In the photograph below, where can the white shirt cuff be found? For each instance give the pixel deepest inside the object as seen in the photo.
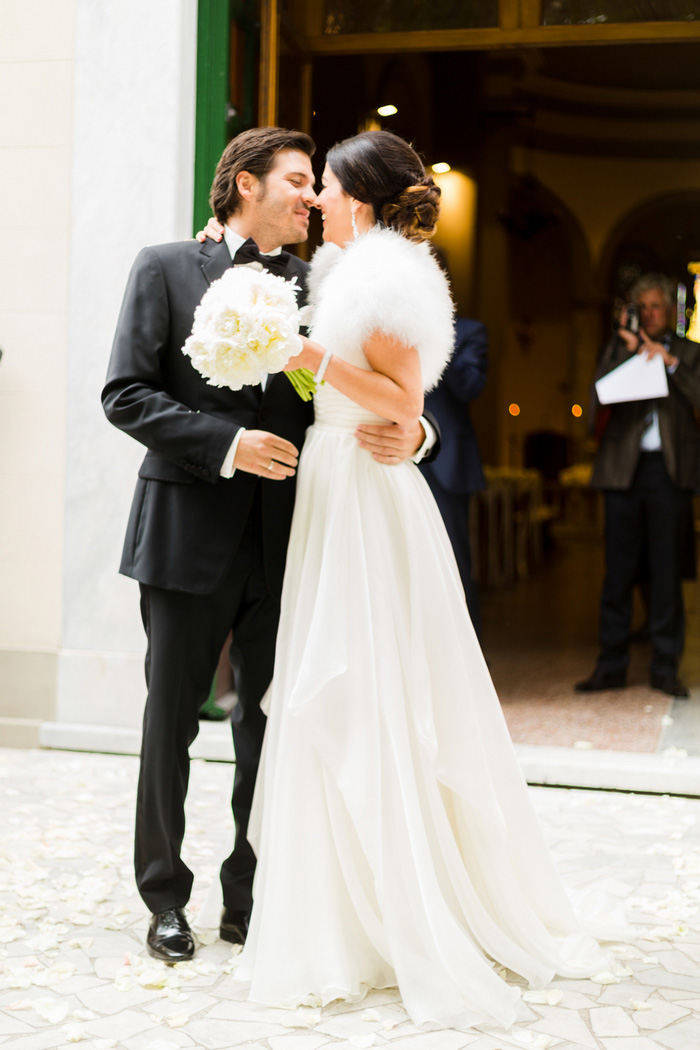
(227, 468)
(428, 444)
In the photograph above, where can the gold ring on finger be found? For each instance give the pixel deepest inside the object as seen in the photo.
(272, 465)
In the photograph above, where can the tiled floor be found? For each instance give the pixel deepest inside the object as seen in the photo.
(540, 637)
(73, 969)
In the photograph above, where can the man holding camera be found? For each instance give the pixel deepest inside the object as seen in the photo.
(648, 466)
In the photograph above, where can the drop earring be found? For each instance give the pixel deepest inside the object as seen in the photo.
(354, 224)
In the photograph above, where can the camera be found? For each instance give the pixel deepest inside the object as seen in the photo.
(632, 318)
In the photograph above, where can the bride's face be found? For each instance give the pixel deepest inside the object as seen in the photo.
(335, 205)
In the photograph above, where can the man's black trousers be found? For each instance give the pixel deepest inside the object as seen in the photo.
(650, 516)
(185, 636)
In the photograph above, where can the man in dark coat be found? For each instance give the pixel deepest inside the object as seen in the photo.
(209, 524)
(456, 472)
(648, 466)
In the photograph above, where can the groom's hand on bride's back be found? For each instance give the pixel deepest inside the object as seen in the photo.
(391, 443)
(267, 455)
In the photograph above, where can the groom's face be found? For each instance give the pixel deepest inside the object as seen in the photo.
(280, 202)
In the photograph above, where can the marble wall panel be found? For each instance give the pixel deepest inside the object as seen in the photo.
(38, 109)
(132, 185)
(36, 30)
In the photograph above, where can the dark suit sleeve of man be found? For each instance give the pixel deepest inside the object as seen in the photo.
(465, 375)
(458, 467)
(685, 379)
(141, 373)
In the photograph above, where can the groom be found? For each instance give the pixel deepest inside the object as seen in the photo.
(209, 524)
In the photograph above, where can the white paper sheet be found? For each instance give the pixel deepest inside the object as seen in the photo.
(639, 379)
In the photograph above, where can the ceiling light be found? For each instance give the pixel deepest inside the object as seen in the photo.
(386, 111)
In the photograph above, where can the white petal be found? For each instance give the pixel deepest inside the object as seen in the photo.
(583, 745)
(208, 936)
(639, 1004)
(52, 1010)
(605, 978)
(72, 1033)
(178, 1021)
(11, 933)
(153, 978)
(370, 1015)
(545, 996)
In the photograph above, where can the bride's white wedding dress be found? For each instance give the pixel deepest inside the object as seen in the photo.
(396, 841)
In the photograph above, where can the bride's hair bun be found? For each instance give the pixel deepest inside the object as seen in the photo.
(415, 211)
(381, 169)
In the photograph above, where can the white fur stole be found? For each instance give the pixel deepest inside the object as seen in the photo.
(382, 282)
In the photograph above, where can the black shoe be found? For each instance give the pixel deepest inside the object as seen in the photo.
(602, 680)
(669, 683)
(170, 937)
(234, 926)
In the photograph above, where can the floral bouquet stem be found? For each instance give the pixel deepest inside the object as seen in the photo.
(302, 379)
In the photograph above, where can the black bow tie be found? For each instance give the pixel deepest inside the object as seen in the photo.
(249, 252)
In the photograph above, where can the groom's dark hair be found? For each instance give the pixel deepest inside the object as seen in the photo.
(254, 151)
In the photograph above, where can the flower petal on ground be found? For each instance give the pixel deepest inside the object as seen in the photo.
(544, 997)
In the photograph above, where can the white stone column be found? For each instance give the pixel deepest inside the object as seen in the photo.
(132, 184)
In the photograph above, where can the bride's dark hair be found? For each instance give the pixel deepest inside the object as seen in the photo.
(381, 169)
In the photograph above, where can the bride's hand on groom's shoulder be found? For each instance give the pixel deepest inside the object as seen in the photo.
(391, 443)
(212, 229)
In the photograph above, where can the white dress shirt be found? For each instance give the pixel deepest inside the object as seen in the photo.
(233, 243)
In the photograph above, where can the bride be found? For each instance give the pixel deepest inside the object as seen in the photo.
(396, 841)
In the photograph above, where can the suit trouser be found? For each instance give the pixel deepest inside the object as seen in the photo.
(650, 515)
(455, 514)
(186, 633)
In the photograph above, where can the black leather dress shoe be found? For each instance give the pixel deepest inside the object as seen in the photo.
(670, 684)
(234, 926)
(602, 680)
(170, 937)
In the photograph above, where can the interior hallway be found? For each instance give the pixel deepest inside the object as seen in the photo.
(540, 637)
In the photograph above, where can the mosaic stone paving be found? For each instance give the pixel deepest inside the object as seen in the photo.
(73, 969)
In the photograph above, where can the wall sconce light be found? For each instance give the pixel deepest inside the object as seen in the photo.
(387, 111)
(441, 167)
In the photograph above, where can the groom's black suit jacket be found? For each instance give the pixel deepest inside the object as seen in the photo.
(186, 521)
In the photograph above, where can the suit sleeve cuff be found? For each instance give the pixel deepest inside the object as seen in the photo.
(428, 444)
(227, 469)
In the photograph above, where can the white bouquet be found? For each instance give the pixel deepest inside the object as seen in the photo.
(247, 326)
